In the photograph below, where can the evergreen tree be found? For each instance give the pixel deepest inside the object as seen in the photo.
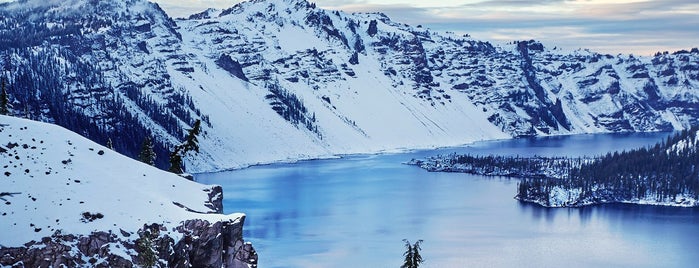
(144, 247)
(176, 161)
(417, 258)
(110, 145)
(191, 142)
(408, 254)
(147, 154)
(4, 100)
(413, 259)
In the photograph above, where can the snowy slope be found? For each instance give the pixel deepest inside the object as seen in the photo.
(372, 84)
(280, 80)
(55, 180)
(357, 108)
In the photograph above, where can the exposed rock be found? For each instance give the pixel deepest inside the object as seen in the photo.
(65, 251)
(216, 199)
(213, 245)
(203, 244)
(232, 66)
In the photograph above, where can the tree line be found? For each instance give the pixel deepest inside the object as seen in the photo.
(664, 171)
(57, 86)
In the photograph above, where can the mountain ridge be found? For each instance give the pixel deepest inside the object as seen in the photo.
(285, 80)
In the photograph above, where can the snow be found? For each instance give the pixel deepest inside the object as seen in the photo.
(374, 106)
(367, 113)
(560, 197)
(57, 175)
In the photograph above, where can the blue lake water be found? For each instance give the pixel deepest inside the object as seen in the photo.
(354, 212)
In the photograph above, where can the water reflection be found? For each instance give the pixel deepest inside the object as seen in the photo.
(538, 212)
(356, 210)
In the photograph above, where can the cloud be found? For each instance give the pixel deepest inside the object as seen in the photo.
(184, 8)
(609, 26)
(639, 27)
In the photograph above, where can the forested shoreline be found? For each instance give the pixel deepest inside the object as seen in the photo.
(663, 174)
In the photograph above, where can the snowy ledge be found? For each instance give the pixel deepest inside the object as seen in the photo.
(62, 189)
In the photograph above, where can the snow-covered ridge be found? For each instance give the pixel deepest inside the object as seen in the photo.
(57, 182)
(281, 80)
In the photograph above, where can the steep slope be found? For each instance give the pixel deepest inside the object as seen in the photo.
(298, 60)
(59, 187)
(441, 86)
(279, 80)
(98, 68)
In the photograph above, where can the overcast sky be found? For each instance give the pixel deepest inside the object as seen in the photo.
(608, 26)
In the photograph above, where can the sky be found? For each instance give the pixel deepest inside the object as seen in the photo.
(606, 26)
(641, 27)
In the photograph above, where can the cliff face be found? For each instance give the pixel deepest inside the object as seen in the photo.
(219, 244)
(202, 244)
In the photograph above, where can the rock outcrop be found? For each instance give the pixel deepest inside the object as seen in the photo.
(199, 243)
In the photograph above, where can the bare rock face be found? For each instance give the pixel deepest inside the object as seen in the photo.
(215, 199)
(68, 250)
(203, 244)
(219, 244)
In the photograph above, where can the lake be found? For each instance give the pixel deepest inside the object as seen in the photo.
(354, 212)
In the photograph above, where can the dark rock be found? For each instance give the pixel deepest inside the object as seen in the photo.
(186, 70)
(231, 66)
(460, 86)
(203, 244)
(215, 199)
(372, 28)
(187, 176)
(354, 60)
(143, 47)
(219, 244)
(143, 27)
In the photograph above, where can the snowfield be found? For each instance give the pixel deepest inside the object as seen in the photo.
(54, 180)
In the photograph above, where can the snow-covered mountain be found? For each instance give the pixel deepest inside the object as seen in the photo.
(59, 188)
(282, 79)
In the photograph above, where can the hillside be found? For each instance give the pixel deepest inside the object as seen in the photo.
(60, 188)
(280, 80)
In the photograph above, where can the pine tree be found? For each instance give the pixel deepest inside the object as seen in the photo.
(176, 161)
(147, 154)
(417, 258)
(413, 259)
(4, 100)
(144, 247)
(110, 145)
(191, 142)
(408, 254)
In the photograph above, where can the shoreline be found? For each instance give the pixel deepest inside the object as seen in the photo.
(402, 150)
(606, 202)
